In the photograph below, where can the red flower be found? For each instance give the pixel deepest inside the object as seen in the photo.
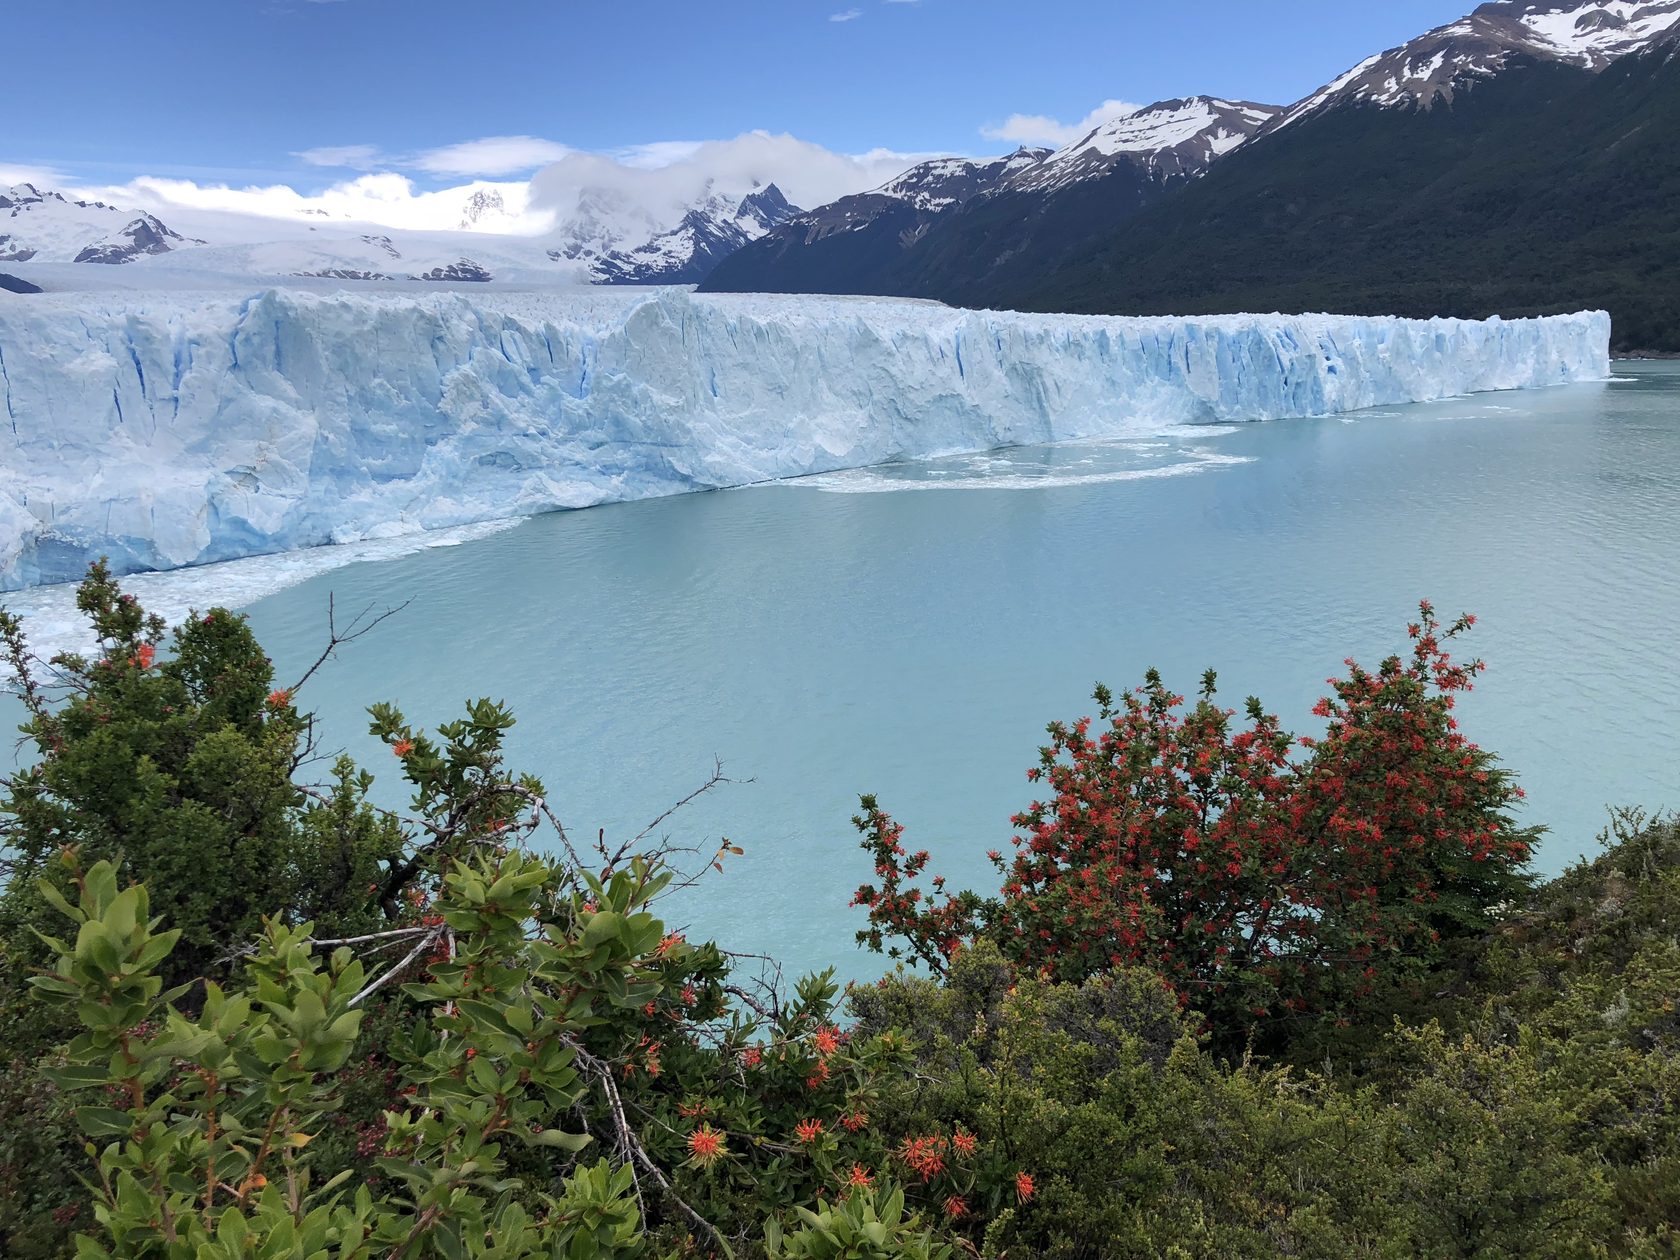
(860, 1177)
(808, 1131)
(827, 1041)
(956, 1207)
(923, 1157)
(403, 747)
(279, 699)
(145, 655)
(705, 1146)
(855, 1120)
(1024, 1188)
(963, 1143)
(751, 1057)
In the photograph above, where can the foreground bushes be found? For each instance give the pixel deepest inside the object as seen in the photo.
(434, 1043)
(1282, 897)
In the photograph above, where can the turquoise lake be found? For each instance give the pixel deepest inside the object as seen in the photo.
(909, 630)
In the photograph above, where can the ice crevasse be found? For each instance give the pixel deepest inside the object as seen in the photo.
(174, 430)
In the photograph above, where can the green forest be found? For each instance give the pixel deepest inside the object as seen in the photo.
(1238, 993)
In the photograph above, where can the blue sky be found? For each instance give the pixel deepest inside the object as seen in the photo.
(234, 90)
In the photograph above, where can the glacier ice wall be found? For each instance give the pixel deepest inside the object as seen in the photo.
(174, 430)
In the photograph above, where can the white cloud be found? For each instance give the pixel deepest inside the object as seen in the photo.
(664, 178)
(41, 176)
(1041, 129)
(358, 156)
(385, 199)
(658, 153)
(846, 15)
(653, 183)
(492, 155)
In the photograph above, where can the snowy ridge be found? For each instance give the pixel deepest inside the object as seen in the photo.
(929, 188)
(1439, 63)
(38, 223)
(169, 431)
(1170, 138)
(707, 234)
(945, 182)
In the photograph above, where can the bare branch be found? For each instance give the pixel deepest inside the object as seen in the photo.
(631, 1147)
(371, 936)
(360, 626)
(713, 781)
(390, 973)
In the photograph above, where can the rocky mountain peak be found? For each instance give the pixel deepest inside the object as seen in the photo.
(1437, 64)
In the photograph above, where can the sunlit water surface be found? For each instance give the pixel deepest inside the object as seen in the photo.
(860, 632)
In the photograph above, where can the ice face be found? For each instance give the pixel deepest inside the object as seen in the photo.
(173, 430)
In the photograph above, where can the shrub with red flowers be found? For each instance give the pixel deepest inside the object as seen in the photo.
(454, 1046)
(1262, 884)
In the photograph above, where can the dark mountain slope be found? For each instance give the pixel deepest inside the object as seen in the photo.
(960, 229)
(962, 255)
(1006, 242)
(1545, 187)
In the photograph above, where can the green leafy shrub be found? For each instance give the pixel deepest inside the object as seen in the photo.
(432, 1042)
(865, 1225)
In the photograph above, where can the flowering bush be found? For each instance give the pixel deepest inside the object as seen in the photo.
(494, 1054)
(1262, 886)
(440, 1115)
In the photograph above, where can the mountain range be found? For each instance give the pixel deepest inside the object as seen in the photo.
(607, 239)
(1522, 160)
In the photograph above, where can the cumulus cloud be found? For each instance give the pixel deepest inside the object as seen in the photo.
(1042, 129)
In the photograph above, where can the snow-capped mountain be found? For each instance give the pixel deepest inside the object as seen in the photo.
(144, 235)
(706, 235)
(1441, 62)
(486, 207)
(47, 226)
(945, 182)
(1167, 139)
(984, 213)
(909, 202)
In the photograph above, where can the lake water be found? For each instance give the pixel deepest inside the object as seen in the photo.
(909, 630)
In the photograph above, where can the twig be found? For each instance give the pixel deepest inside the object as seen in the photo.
(712, 782)
(335, 640)
(632, 1147)
(384, 977)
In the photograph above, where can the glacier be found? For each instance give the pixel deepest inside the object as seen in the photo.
(174, 429)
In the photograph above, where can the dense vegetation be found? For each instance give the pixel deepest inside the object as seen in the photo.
(1240, 994)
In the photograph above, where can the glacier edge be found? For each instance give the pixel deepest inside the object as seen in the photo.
(172, 430)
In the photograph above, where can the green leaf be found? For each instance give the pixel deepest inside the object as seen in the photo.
(573, 1142)
(603, 927)
(104, 1121)
(77, 1076)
